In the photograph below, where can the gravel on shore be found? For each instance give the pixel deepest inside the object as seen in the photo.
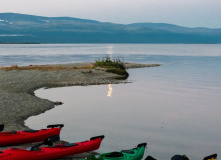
(17, 99)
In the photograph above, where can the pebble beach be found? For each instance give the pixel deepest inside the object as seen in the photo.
(17, 99)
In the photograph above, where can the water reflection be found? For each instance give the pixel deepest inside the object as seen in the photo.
(170, 107)
(109, 93)
(110, 51)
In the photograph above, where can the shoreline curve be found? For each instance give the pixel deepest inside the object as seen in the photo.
(17, 99)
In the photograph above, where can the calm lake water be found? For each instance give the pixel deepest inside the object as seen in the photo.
(175, 108)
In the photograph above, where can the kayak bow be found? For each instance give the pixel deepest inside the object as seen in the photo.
(211, 157)
(28, 136)
(180, 157)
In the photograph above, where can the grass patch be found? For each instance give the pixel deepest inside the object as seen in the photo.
(115, 66)
(108, 63)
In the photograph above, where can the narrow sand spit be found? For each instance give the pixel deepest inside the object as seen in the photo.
(17, 99)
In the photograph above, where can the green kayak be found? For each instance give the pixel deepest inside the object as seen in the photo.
(131, 154)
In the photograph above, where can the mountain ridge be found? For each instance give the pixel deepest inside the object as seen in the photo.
(40, 29)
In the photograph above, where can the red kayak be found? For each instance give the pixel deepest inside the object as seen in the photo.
(47, 153)
(28, 136)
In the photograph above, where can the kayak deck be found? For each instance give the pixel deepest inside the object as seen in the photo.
(28, 136)
(48, 153)
(131, 154)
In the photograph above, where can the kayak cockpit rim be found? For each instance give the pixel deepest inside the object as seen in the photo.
(49, 141)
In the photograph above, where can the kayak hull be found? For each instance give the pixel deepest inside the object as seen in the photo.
(49, 153)
(131, 154)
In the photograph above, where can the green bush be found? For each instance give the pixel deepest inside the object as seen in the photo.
(115, 66)
(108, 63)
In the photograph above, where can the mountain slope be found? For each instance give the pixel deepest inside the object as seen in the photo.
(20, 28)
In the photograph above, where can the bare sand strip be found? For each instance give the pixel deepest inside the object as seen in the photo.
(17, 86)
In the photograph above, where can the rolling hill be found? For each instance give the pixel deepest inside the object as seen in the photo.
(21, 28)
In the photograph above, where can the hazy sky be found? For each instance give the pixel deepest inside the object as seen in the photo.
(190, 13)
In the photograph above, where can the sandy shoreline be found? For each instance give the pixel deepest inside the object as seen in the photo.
(17, 99)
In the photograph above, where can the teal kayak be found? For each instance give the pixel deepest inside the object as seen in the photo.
(131, 154)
